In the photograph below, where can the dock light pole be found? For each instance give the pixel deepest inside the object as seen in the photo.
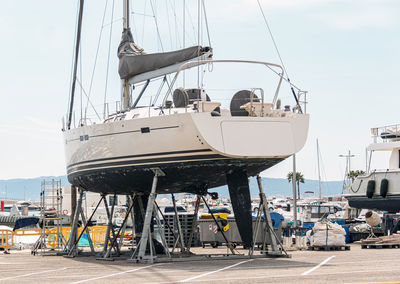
(294, 191)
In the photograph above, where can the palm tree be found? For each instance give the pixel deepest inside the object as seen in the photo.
(299, 179)
(353, 174)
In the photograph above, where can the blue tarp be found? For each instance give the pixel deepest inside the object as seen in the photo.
(25, 222)
(276, 218)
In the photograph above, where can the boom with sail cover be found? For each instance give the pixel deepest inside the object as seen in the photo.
(133, 60)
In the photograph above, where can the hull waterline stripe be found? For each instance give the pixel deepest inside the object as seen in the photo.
(152, 161)
(141, 155)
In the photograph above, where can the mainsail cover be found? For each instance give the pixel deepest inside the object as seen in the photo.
(133, 60)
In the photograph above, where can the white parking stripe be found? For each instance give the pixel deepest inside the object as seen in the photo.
(30, 274)
(318, 266)
(114, 274)
(215, 271)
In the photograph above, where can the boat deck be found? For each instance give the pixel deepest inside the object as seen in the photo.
(355, 265)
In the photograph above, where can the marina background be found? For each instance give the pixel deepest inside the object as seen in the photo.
(344, 53)
(29, 189)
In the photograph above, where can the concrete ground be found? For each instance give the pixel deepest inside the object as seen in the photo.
(354, 266)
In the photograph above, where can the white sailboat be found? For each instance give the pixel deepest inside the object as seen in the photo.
(197, 143)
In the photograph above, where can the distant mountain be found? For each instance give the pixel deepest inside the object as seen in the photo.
(29, 189)
(26, 189)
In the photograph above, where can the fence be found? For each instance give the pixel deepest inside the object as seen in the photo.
(97, 234)
(6, 239)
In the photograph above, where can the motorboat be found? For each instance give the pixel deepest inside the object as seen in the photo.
(379, 189)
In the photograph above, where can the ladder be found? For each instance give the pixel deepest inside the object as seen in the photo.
(51, 237)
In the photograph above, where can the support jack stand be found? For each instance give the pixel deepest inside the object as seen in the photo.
(72, 247)
(268, 229)
(139, 255)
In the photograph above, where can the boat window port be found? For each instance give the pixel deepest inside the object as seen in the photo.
(145, 129)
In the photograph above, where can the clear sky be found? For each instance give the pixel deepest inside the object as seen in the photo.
(345, 53)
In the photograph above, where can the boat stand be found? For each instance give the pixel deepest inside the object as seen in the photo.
(139, 255)
(120, 234)
(178, 222)
(72, 247)
(194, 224)
(168, 226)
(268, 229)
(145, 250)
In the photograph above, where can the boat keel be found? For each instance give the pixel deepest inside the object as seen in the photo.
(239, 192)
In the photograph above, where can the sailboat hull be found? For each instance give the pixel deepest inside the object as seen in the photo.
(194, 150)
(192, 177)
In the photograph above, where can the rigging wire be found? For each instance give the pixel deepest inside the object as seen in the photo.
(133, 21)
(206, 21)
(144, 21)
(279, 55)
(96, 56)
(273, 39)
(79, 82)
(108, 59)
(198, 44)
(169, 25)
(156, 23)
(191, 23)
(177, 35)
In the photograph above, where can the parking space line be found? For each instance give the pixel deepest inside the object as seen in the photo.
(30, 274)
(293, 277)
(114, 274)
(215, 271)
(318, 266)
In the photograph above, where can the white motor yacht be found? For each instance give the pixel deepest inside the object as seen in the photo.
(379, 188)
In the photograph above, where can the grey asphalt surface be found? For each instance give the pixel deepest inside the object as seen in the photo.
(354, 266)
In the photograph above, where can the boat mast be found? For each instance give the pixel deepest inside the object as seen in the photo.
(77, 46)
(126, 99)
(319, 174)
